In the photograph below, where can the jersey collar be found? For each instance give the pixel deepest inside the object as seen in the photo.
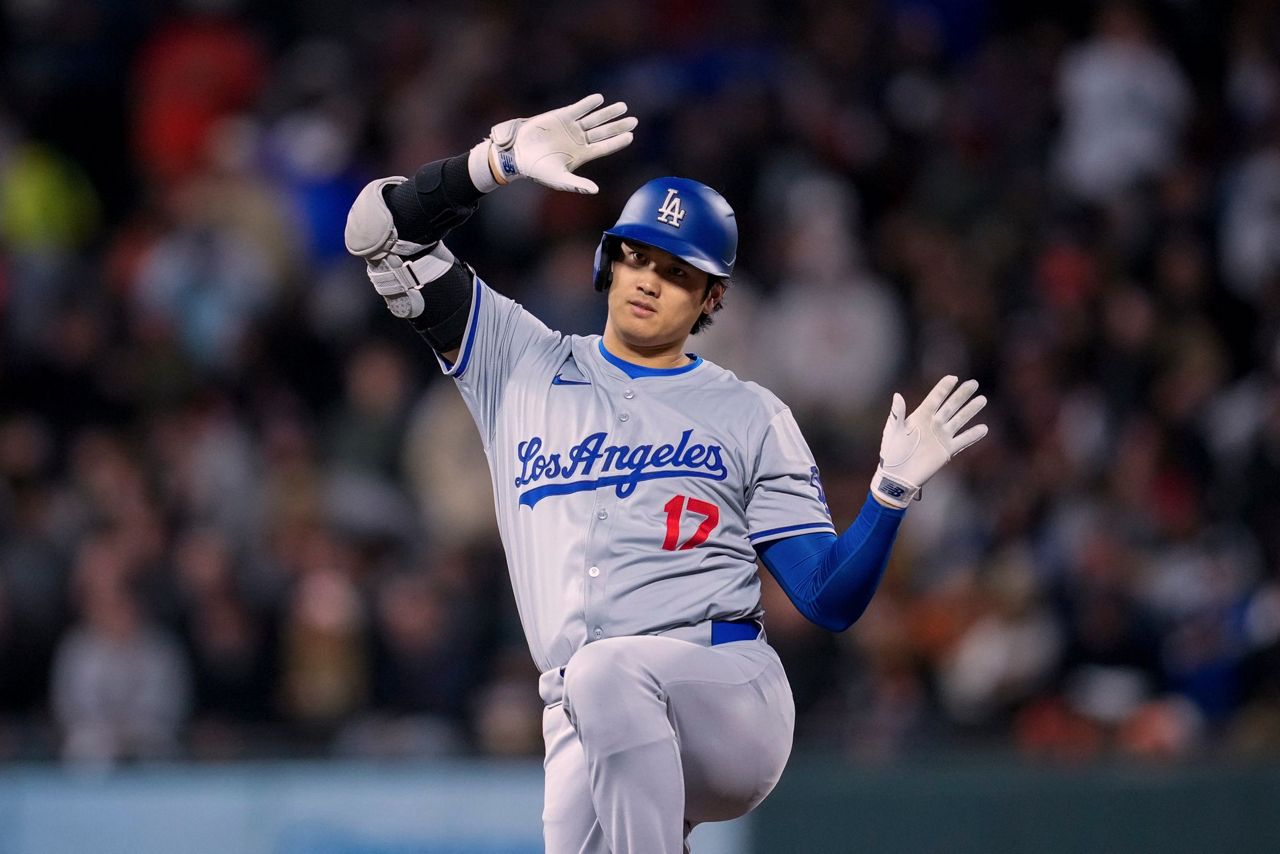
(636, 371)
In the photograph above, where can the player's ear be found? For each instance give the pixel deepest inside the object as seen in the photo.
(715, 293)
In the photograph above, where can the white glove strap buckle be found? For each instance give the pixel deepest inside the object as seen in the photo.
(406, 247)
(398, 281)
(503, 137)
(390, 277)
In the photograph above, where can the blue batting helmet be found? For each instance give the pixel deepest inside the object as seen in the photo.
(690, 220)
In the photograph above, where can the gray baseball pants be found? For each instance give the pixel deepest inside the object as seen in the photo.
(648, 736)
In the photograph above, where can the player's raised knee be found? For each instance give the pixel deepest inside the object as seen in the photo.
(601, 672)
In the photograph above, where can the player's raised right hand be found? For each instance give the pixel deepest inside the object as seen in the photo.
(915, 447)
(548, 147)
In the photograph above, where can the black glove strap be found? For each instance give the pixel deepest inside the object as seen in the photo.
(447, 300)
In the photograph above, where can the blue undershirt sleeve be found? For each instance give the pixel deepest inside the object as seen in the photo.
(831, 579)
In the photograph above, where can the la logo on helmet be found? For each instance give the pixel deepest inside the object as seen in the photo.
(671, 212)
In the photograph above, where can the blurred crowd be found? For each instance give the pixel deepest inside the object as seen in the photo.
(241, 515)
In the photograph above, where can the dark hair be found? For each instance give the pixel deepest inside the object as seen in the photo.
(704, 320)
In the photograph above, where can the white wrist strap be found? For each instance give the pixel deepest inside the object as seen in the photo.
(893, 490)
(478, 167)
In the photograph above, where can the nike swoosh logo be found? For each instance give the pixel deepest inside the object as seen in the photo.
(559, 380)
(913, 435)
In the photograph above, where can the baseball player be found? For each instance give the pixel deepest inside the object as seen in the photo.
(637, 485)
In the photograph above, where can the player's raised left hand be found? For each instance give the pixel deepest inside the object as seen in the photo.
(548, 147)
(915, 447)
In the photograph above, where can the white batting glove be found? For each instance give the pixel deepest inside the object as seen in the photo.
(550, 146)
(915, 447)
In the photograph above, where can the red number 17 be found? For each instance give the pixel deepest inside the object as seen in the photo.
(675, 508)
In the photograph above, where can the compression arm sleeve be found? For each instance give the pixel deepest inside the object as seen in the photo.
(438, 199)
(831, 579)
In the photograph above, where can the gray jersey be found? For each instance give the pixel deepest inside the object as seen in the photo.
(627, 505)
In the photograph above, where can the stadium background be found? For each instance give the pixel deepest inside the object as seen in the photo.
(243, 519)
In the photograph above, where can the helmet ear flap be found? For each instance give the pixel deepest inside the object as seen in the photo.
(606, 254)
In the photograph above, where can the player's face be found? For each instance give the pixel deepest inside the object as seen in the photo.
(656, 298)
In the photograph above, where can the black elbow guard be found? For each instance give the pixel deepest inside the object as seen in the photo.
(447, 305)
(440, 198)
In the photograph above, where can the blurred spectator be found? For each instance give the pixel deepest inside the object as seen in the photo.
(1125, 103)
(508, 714)
(445, 459)
(46, 203)
(207, 467)
(232, 647)
(1250, 227)
(203, 286)
(366, 434)
(33, 591)
(887, 705)
(423, 672)
(324, 636)
(1008, 654)
(48, 211)
(191, 72)
(832, 325)
(121, 686)
(313, 144)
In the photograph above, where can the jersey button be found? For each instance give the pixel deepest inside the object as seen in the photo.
(594, 572)
(624, 417)
(598, 632)
(628, 394)
(602, 514)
